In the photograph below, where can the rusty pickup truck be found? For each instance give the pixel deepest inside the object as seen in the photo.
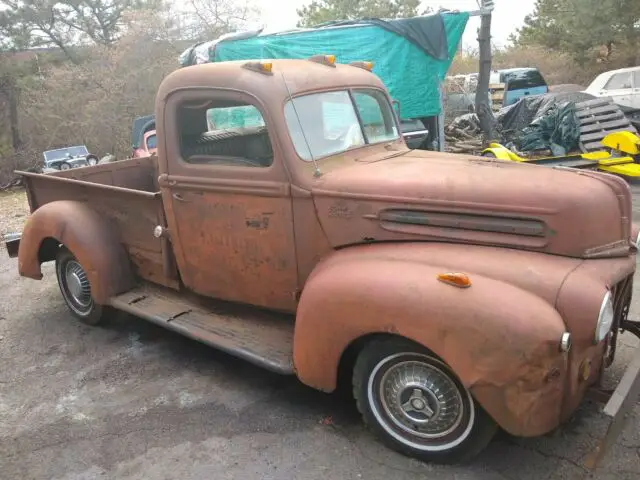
(452, 294)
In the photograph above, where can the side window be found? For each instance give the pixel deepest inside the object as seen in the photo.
(619, 81)
(223, 133)
(378, 124)
(636, 79)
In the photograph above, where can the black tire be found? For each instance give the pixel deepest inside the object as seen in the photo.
(65, 166)
(92, 160)
(489, 154)
(461, 430)
(77, 295)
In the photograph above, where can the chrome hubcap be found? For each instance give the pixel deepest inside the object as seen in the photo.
(77, 284)
(421, 400)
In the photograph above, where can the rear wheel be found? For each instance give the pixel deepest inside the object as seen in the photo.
(76, 289)
(416, 405)
(489, 154)
(65, 166)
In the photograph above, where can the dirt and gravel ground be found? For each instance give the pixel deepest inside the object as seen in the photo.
(131, 400)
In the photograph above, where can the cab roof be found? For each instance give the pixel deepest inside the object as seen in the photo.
(301, 76)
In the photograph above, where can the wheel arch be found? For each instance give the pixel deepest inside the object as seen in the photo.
(89, 237)
(492, 346)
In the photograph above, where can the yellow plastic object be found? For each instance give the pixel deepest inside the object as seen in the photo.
(596, 156)
(631, 170)
(501, 152)
(625, 142)
(608, 161)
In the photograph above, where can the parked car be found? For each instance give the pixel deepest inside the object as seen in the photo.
(148, 146)
(139, 128)
(519, 82)
(452, 294)
(622, 85)
(69, 157)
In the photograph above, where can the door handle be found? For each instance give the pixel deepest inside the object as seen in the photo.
(179, 198)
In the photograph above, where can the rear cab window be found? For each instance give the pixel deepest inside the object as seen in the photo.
(223, 133)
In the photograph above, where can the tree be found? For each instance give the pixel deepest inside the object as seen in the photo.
(65, 24)
(584, 28)
(320, 11)
(208, 19)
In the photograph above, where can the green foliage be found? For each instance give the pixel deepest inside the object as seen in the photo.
(589, 30)
(52, 23)
(320, 11)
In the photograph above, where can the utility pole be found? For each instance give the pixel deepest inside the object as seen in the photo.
(483, 103)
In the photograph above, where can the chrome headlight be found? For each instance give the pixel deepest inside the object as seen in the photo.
(605, 319)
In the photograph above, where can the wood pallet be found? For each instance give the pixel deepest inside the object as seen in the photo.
(598, 118)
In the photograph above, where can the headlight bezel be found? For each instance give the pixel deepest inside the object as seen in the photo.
(605, 318)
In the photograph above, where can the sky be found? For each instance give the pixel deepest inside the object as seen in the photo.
(507, 16)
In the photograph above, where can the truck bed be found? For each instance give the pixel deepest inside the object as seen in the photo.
(127, 195)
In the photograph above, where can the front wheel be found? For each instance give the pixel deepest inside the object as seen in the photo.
(416, 405)
(76, 289)
(65, 166)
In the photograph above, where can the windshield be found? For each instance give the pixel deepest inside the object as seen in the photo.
(80, 151)
(323, 124)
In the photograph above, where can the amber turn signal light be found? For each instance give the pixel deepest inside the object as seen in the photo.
(329, 60)
(262, 67)
(460, 280)
(365, 65)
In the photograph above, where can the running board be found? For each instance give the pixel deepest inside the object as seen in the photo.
(257, 336)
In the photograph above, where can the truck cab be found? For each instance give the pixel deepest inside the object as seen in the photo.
(453, 294)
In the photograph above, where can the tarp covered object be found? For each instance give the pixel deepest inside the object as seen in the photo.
(558, 130)
(399, 51)
(514, 118)
(542, 122)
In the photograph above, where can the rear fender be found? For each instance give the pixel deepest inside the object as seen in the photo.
(87, 235)
(501, 341)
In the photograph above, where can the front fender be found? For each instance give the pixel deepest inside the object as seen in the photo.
(502, 341)
(88, 236)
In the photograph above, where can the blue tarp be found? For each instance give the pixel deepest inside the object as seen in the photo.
(412, 75)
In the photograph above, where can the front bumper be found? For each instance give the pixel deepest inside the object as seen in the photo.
(617, 410)
(12, 243)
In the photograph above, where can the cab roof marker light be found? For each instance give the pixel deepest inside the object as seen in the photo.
(265, 68)
(365, 65)
(328, 60)
(455, 279)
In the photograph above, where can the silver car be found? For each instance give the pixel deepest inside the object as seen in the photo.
(69, 157)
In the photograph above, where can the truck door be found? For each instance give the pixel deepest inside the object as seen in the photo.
(228, 199)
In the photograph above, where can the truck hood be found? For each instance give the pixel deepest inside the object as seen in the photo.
(432, 196)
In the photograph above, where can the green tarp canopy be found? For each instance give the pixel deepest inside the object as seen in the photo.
(412, 75)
